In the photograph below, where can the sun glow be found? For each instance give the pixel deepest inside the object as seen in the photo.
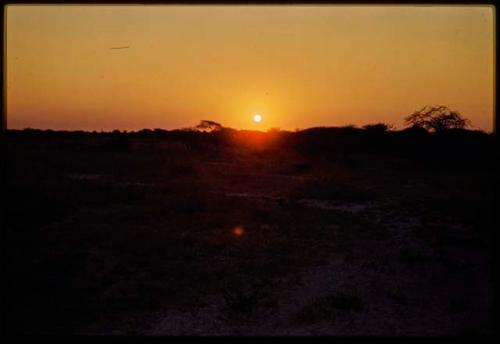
(263, 59)
(257, 118)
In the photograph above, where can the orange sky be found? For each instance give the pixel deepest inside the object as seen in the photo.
(297, 66)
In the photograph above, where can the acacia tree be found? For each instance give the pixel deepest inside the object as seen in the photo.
(219, 135)
(437, 118)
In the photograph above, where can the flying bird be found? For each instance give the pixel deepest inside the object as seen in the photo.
(128, 46)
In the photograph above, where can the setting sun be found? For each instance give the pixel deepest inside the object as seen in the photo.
(257, 118)
(150, 196)
(311, 63)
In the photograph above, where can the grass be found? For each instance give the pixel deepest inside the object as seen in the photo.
(244, 299)
(328, 308)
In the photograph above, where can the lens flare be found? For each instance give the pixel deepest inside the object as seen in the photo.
(238, 231)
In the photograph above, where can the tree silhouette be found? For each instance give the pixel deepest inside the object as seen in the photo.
(437, 118)
(206, 125)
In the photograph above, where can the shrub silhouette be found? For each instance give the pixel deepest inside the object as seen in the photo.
(117, 141)
(377, 127)
(210, 126)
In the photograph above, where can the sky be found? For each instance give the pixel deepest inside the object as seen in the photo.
(296, 66)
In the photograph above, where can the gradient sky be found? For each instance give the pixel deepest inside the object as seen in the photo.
(298, 66)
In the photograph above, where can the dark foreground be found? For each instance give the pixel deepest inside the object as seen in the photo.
(131, 234)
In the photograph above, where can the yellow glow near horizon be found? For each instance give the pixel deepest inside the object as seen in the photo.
(257, 118)
(306, 66)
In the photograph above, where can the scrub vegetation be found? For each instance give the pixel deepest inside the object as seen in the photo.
(340, 231)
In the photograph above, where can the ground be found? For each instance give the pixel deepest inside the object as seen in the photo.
(141, 240)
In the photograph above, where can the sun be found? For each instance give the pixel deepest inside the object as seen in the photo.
(257, 118)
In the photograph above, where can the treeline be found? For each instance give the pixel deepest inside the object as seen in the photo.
(460, 145)
(320, 141)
